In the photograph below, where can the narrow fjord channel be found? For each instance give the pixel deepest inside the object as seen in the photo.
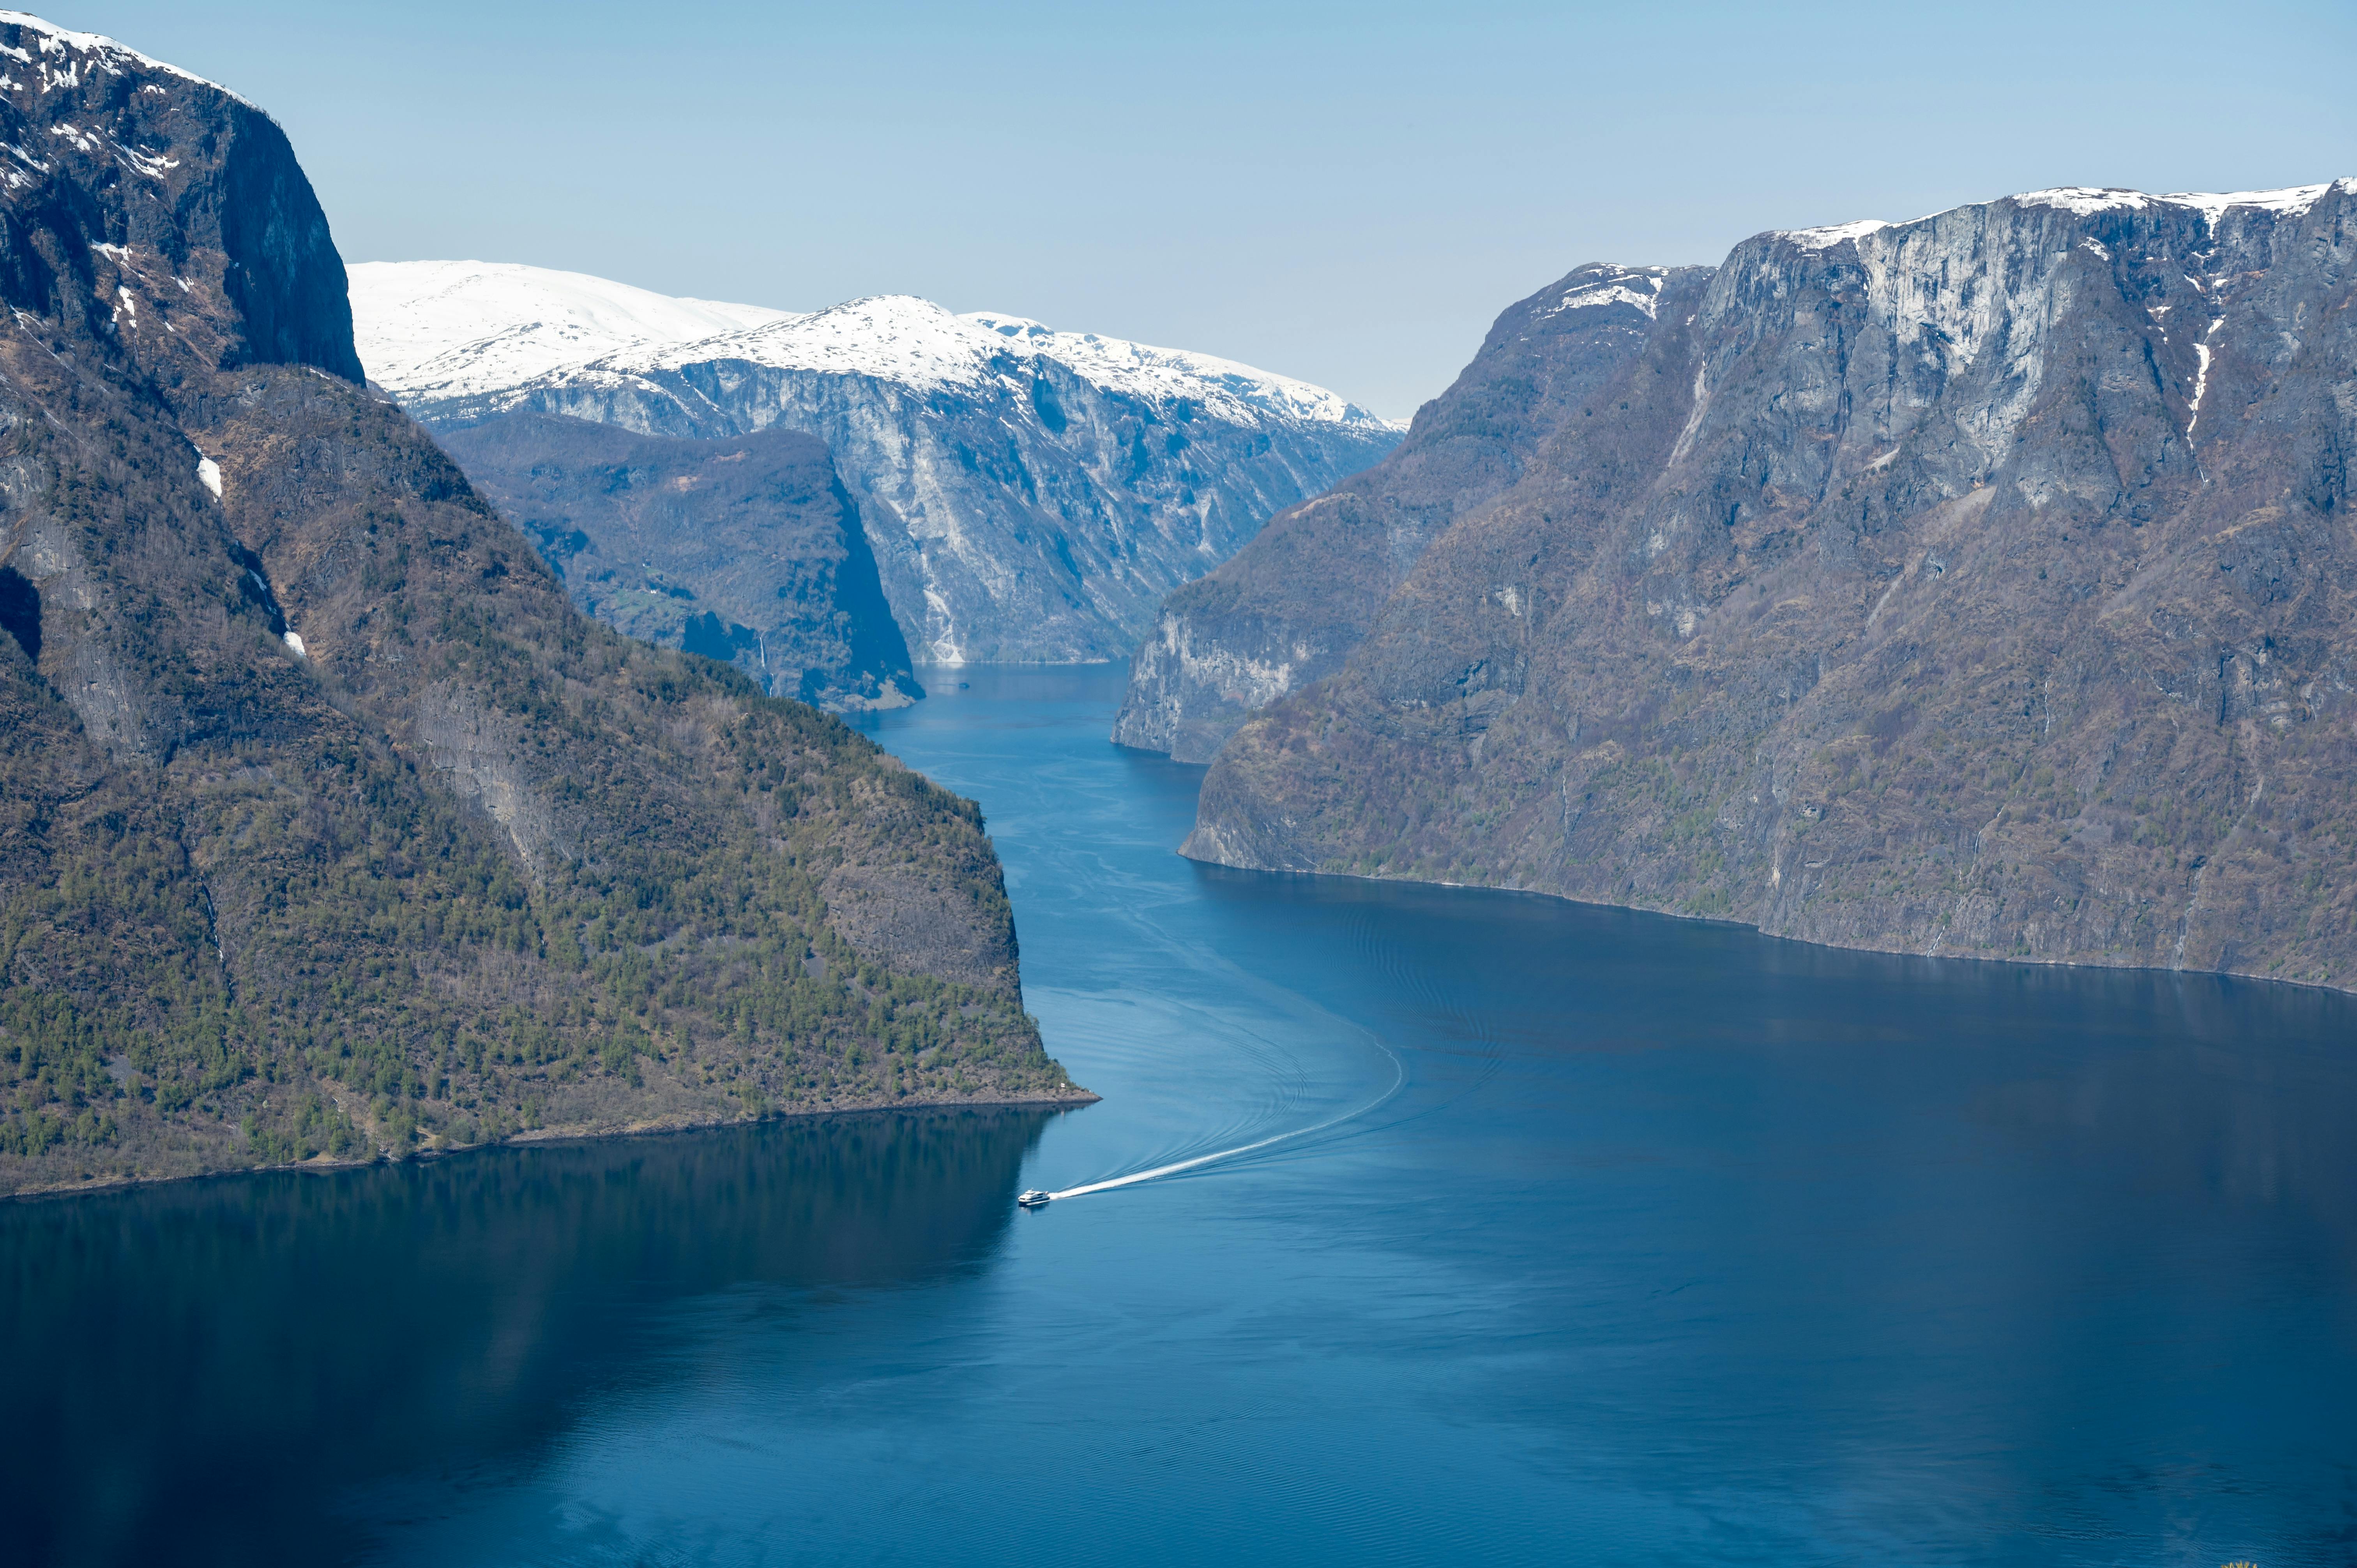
(1655, 1241)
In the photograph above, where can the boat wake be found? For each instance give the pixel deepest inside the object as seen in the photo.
(1399, 1081)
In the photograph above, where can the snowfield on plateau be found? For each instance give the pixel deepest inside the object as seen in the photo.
(1028, 494)
(455, 328)
(432, 331)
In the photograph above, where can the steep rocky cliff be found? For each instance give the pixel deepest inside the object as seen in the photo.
(748, 550)
(1029, 495)
(1287, 607)
(1981, 585)
(327, 825)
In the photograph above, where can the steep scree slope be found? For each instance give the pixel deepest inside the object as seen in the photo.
(327, 825)
(1982, 585)
(1029, 495)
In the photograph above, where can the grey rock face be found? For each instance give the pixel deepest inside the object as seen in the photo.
(101, 166)
(1285, 610)
(1028, 496)
(1979, 585)
(748, 550)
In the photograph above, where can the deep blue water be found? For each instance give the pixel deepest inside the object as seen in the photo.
(1677, 1245)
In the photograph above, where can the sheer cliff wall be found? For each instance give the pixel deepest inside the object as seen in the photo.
(1978, 586)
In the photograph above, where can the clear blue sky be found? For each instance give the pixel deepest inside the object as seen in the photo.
(1348, 193)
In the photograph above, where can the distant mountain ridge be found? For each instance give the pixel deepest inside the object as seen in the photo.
(1981, 585)
(437, 330)
(1029, 494)
(745, 549)
(441, 329)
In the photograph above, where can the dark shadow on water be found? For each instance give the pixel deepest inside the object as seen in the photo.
(196, 1371)
(2204, 1085)
(1612, 969)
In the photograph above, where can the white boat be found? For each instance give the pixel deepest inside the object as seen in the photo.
(1034, 1198)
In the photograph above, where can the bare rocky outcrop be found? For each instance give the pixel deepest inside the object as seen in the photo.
(1977, 585)
(1291, 603)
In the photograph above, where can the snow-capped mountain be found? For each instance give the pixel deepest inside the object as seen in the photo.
(1029, 494)
(441, 329)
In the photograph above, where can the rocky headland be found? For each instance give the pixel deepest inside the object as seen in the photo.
(1977, 585)
(329, 828)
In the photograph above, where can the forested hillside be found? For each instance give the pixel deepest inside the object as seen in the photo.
(746, 548)
(328, 827)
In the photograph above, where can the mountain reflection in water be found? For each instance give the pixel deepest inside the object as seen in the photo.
(196, 1371)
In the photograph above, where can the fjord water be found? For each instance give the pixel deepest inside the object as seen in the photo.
(1674, 1244)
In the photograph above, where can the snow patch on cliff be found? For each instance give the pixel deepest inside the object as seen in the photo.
(2200, 376)
(2087, 201)
(56, 46)
(1639, 286)
(1827, 237)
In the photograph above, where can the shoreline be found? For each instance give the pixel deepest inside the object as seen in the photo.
(2016, 960)
(579, 1132)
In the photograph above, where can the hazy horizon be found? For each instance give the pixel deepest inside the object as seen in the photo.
(1344, 194)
